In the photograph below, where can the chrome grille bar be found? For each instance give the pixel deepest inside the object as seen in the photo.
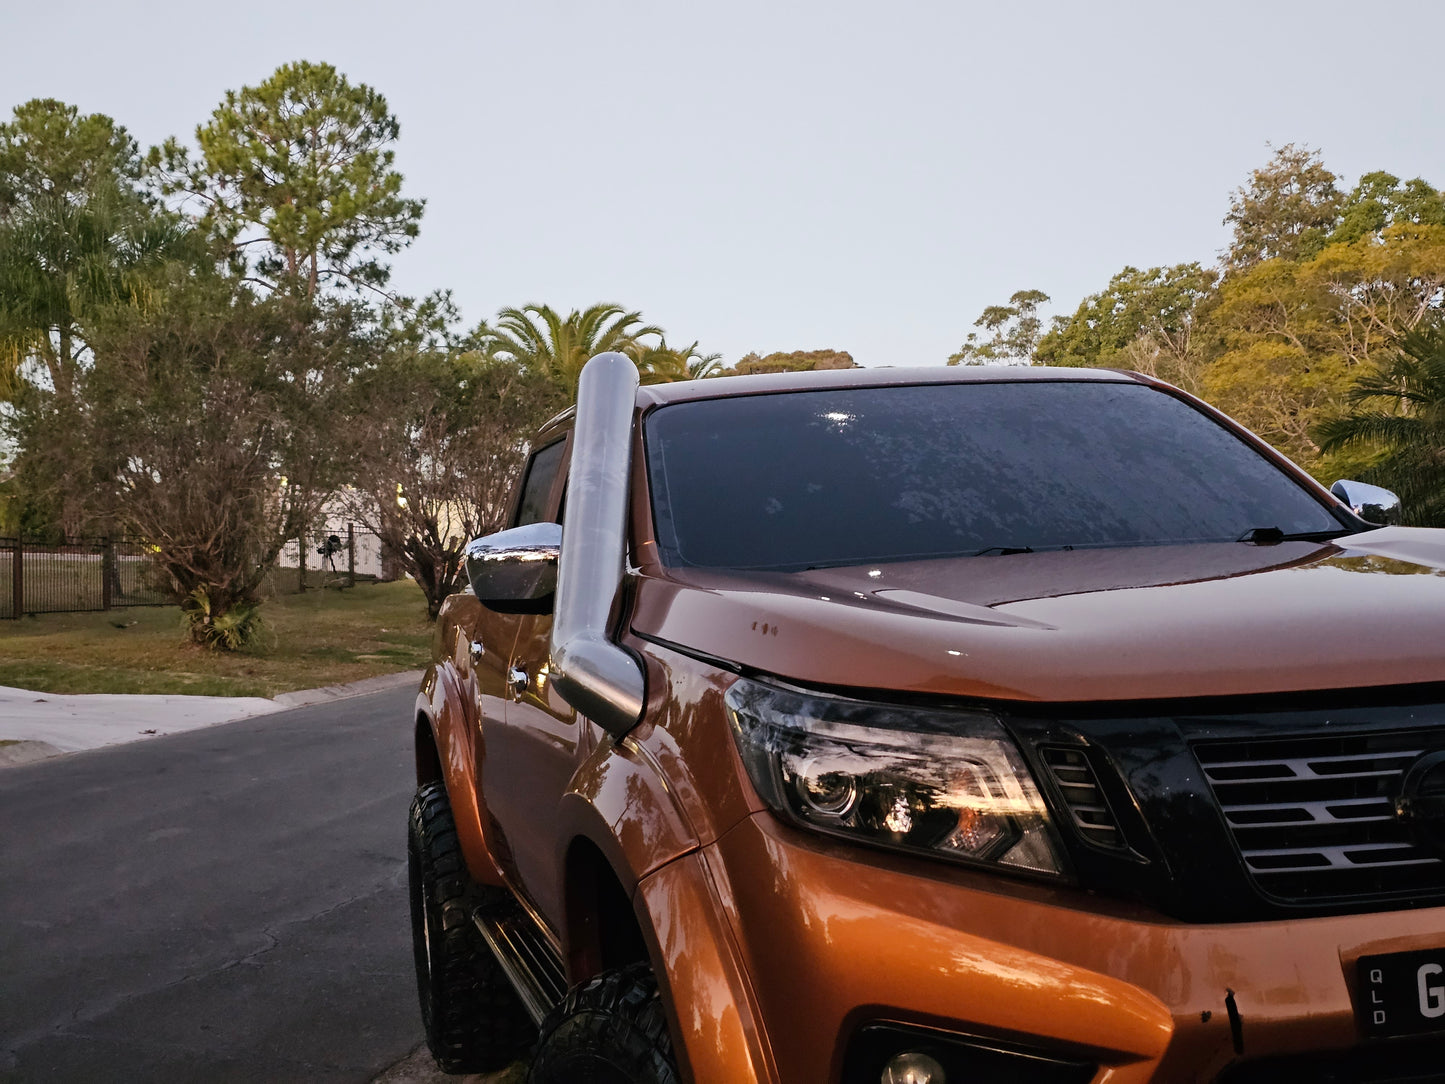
(1320, 812)
(1338, 857)
(1304, 767)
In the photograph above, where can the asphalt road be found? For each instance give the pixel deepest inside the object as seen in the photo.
(222, 905)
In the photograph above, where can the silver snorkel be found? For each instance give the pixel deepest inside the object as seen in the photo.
(594, 675)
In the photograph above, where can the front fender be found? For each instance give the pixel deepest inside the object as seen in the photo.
(710, 1002)
(620, 801)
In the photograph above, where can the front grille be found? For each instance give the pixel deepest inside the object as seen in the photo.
(1314, 817)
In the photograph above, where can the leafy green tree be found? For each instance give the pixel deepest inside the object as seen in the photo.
(1380, 200)
(296, 178)
(77, 232)
(1013, 329)
(1292, 335)
(795, 361)
(1287, 210)
(1143, 320)
(1399, 412)
(540, 339)
(49, 149)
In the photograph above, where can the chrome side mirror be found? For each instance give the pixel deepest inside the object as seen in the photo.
(1373, 504)
(515, 571)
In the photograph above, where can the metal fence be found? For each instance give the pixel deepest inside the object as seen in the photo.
(102, 573)
(82, 574)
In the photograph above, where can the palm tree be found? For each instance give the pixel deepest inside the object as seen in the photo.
(703, 366)
(77, 232)
(539, 339)
(60, 264)
(661, 364)
(1406, 422)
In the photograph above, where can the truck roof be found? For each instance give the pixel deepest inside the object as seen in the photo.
(680, 391)
(879, 376)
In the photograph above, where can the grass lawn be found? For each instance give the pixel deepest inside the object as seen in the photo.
(322, 637)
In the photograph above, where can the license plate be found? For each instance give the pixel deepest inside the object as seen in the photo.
(1402, 993)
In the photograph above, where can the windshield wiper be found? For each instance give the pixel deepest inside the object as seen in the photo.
(1269, 536)
(1001, 551)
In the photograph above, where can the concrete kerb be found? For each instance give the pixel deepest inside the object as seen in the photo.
(35, 725)
(419, 1068)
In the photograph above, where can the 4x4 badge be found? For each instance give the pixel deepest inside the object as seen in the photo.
(1421, 803)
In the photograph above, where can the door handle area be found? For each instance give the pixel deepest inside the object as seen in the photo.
(517, 680)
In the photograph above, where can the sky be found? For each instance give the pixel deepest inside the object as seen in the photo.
(792, 176)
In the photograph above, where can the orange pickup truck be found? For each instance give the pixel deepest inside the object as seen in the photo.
(927, 727)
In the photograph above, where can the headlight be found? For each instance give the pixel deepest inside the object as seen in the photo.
(943, 783)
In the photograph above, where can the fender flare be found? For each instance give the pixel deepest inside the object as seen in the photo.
(439, 708)
(619, 801)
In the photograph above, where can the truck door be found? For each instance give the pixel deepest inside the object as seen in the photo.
(532, 754)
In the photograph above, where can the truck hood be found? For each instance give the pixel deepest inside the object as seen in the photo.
(1109, 624)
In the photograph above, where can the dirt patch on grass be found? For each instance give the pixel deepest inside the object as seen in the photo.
(15, 753)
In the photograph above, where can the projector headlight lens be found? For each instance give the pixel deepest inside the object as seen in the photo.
(943, 783)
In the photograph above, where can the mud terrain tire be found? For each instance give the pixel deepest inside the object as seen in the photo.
(609, 1030)
(473, 1020)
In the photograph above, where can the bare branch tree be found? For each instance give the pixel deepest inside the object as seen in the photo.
(444, 440)
(197, 426)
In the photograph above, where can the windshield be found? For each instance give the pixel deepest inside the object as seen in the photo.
(864, 475)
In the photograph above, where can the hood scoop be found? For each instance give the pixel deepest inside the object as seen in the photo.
(937, 606)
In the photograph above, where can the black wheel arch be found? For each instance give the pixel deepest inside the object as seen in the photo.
(428, 759)
(603, 930)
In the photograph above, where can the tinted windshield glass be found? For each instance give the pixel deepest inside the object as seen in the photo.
(877, 474)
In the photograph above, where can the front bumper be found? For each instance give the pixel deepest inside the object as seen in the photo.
(831, 938)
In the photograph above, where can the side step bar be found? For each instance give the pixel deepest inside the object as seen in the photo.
(528, 957)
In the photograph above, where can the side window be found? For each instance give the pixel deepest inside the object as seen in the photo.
(541, 473)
